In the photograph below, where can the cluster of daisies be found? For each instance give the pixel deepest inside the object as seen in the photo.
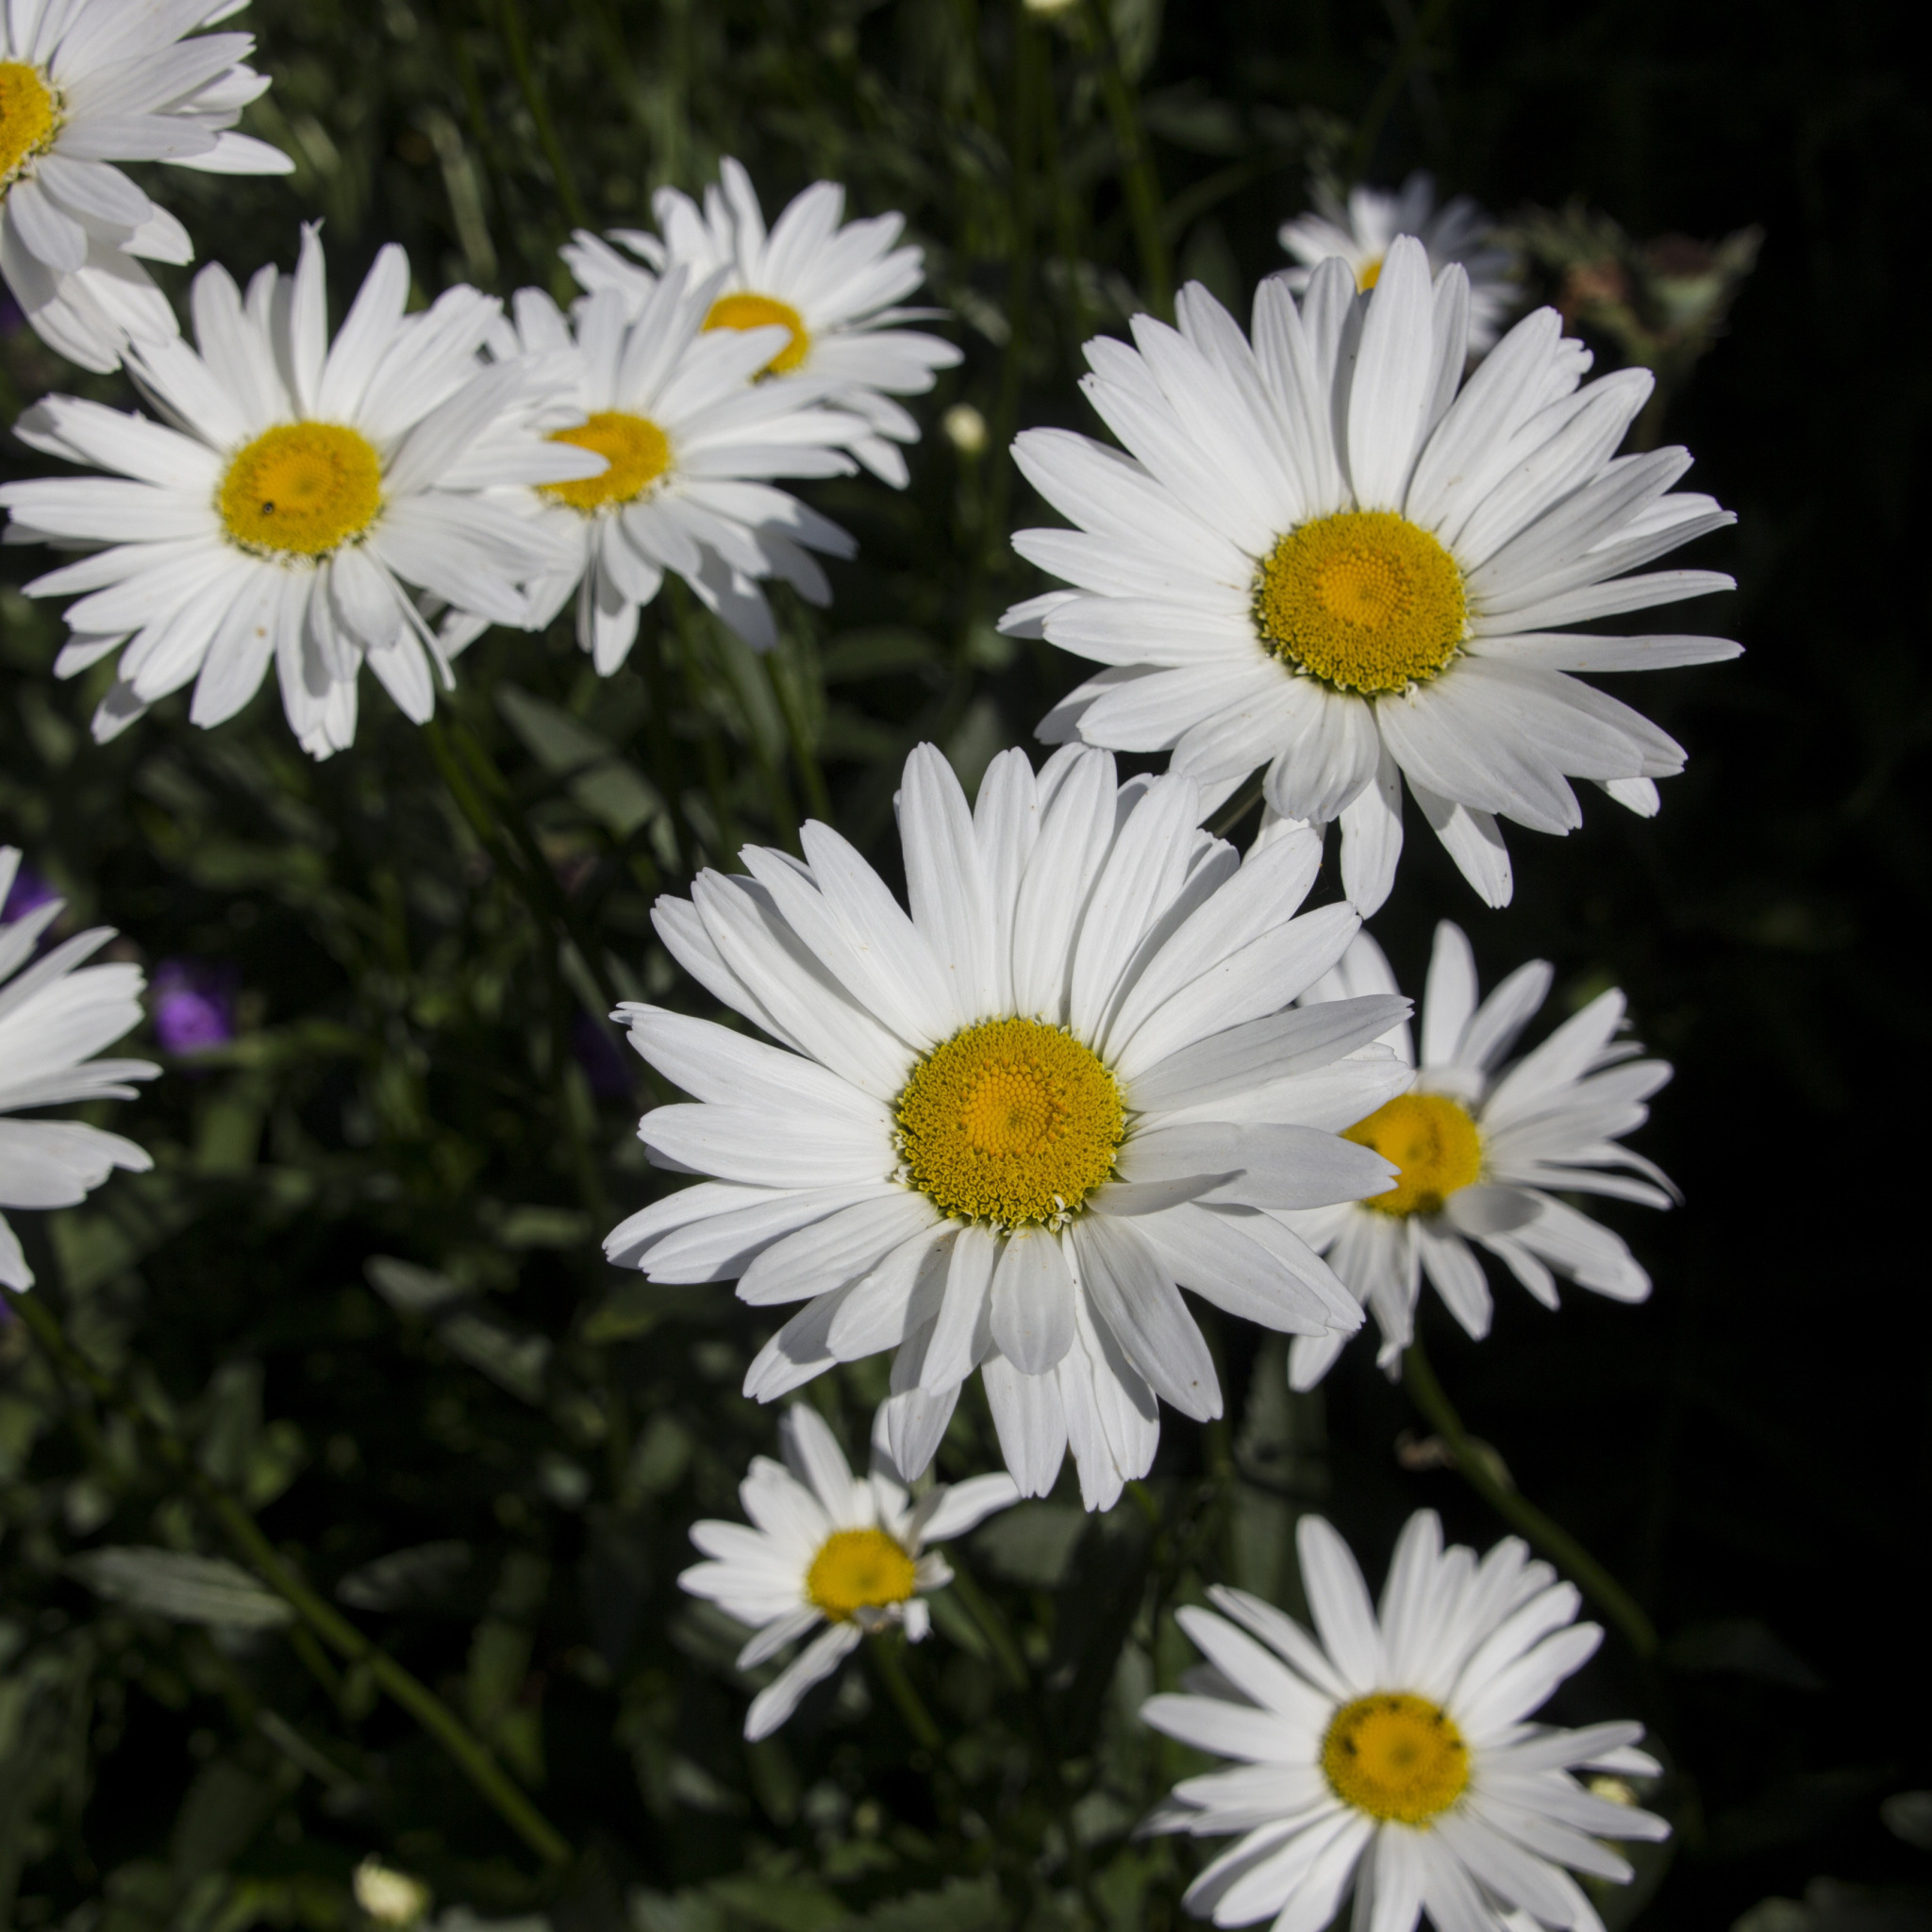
(378, 497)
(1100, 1060)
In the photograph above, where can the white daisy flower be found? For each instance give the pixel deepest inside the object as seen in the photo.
(52, 1019)
(1392, 1755)
(295, 494)
(833, 285)
(691, 442)
(828, 1549)
(1000, 1133)
(85, 83)
(1362, 229)
(1328, 555)
(1479, 1147)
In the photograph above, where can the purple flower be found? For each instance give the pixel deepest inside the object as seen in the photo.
(195, 1004)
(28, 890)
(602, 1060)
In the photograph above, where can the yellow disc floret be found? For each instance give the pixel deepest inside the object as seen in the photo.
(858, 1570)
(637, 450)
(1368, 275)
(1432, 1139)
(1365, 600)
(28, 118)
(1395, 1757)
(1011, 1122)
(301, 490)
(764, 311)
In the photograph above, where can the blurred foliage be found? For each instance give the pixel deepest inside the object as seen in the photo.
(353, 1332)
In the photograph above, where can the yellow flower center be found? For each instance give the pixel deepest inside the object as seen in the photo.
(29, 120)
(1395, 1757)
(1432, 1139)
(1368, 275)
(1364, 600)
(637, 450)
(1011, 1122)
(858, 1570)
(762, 311)
(301, 488)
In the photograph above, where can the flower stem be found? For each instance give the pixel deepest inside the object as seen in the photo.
(483, 795)
(472, 1756)
(1236, 808)
(1475, 1465)
(884, 1647)
(992, 1624)
(818, 801)
(1143, 186)
(516, 38)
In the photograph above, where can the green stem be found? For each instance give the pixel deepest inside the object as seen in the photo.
(992, 1624)
(735, 675)
(1142, 185)
(1473, 1463)
(483, 795)
(1383, 101)
(472, 1756)
(990, 550)
(1236, 808)
(884, 1647)
(818, 801)
(516, 39)
(1065, 217)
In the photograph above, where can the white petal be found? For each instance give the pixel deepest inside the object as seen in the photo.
(1032, 1309)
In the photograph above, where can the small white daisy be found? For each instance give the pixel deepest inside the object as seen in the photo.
(85, 83)
(1479, 1147)
(1329, 555)
(1393, 1756)
(833, 285)
(829, 1549)
(691, 441)
(1002, 1133)
(1361, 230)
(52, 1018)
(294, 494)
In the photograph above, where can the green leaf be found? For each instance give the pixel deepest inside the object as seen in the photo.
(961, 1905)
(515, 1362)
(1033, 1543)
(185, 1589)
(407, 1289)
(783, 1905)
(408, 1579)
(1743, 1647)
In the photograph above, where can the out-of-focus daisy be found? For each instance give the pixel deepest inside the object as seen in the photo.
(53, 1019)
(85, 83)
(691, 442)
(1329, 555)
(827, 1549)
(1002, 1133)
(833, 286)
(1361, 230)
(1394, 1756)
(292, 498)
(1479, 1147)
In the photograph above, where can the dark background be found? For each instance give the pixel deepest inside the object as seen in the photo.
(1749, 1453)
